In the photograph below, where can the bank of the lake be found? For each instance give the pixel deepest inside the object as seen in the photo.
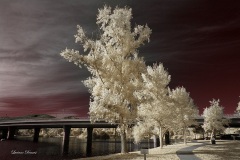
(26, 150)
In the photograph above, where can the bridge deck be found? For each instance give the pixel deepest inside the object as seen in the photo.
(55, 123)
(79, 123)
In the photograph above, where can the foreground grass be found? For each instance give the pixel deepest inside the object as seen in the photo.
(222, 150)
(167, 152)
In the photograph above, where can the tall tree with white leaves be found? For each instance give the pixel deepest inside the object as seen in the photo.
(214, 118)
(154, 111)
(185, 111)
(115, 67)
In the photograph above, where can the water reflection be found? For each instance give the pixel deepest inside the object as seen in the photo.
(77, 147)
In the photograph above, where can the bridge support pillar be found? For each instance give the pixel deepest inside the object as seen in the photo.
(4, 133)
(156, 141)
(167, 138)
(36, 134)
(11, 132)
(89, 142)
(66, 135)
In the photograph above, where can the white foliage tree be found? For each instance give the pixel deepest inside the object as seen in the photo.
(185, 111)
(238, 108)
(154, 111)
(214, 118)
(114, 65)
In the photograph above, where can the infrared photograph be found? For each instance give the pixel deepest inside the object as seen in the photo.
(119, 79)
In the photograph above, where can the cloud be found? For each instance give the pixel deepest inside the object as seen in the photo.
(189, 38)
(32, 36)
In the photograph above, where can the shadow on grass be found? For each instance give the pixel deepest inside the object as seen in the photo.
(222, 150)
(130, 156)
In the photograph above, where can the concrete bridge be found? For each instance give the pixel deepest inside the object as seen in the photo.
(234, 120)
(8, 128)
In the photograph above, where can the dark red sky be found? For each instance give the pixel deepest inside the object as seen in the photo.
(198, 41)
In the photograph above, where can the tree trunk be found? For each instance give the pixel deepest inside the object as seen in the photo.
(184, 135)
(160, 137)
(123, 142)
(212, 134)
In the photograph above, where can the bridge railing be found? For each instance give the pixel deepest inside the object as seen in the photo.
(236, 115)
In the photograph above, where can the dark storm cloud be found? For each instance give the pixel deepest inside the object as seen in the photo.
(32, 34)
(198, 42)
(181, 27)
(193, 39)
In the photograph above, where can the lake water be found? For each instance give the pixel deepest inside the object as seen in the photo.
(77, 147)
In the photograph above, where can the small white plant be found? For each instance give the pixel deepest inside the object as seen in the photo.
(213, 118)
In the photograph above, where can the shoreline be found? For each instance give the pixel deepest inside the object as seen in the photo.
(222, 150)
